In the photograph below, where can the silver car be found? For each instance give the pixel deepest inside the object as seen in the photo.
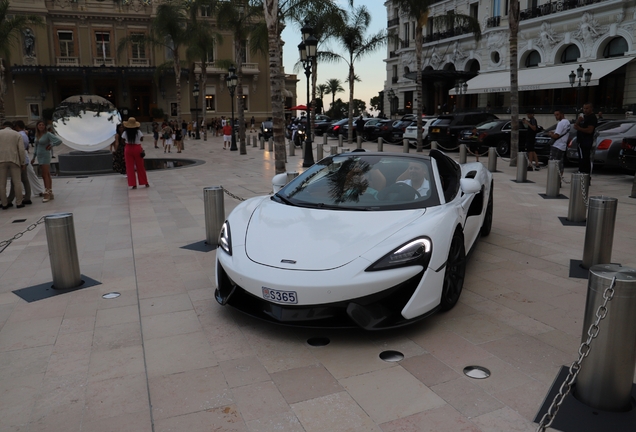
(608, 140)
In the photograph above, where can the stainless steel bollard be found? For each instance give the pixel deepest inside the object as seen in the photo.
(214, 208)
(522, 167)
(253, 140)
(405, 145)
(270, 144)
(380, 145)
(605, 380)
(339, 140)
(334, 150)
(291, 175)
(262, 140)
(324, 139)
(554, 179)
(60, 236)
(577, 209)
(359, 141)
(462, 153)
(599, 232)
(292, 148)
(319, 152)
(492, 159)
(433, 145)
(344, 150)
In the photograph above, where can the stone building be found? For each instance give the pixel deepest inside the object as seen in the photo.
(555, 39)
(76, 53)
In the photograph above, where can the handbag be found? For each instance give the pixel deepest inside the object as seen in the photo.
(143, 153)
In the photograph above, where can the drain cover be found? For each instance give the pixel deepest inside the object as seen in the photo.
(111, 295)
(476, 372)
(391, 356)
(318, 341)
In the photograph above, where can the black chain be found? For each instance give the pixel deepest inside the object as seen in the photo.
(5, 244)
(236, 197)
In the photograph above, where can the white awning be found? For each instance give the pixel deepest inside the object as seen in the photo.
(540, 78)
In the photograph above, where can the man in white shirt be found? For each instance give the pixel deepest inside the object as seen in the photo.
(560, 137)
(27, 175)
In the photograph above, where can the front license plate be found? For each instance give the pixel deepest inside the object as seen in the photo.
(435, 130)
(276, 296)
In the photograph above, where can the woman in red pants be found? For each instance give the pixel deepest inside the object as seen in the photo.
(132, 153)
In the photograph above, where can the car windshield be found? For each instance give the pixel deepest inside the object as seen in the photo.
(487, 125)
(442, 122)
(364, 183)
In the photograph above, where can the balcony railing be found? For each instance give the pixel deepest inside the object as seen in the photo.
(493, 21)
(212, 68)
(67, 61)
(554, 7)
(392, 54)
(446, 34)
(393, 22)
(104, 61)
(138, 62)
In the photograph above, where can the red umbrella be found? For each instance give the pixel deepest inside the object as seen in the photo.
(299, 108)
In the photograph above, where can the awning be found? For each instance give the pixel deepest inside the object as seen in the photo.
(540, 78)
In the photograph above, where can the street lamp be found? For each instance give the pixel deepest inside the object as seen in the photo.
(307, 50)
(195, 93)
(232, 80)
(586, 77)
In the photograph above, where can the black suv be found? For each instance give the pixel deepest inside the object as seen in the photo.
(446, 129)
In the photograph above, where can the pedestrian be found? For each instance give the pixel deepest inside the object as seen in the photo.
(252, 124)
(44, 142)
(189, 127)
(585, 126)
(19, 126)
(133, 153)
(360, 126)
(178, 139)
(155, 132)
(599, 116)
(167, 135)
(533, 128)
(227, 136)
(223, 121)
(12, 161)
(219, 127)
(560, 136)
(119, 162)
(184, 128)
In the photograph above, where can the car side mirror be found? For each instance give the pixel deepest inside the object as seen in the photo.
(469, 185)
(279, 181)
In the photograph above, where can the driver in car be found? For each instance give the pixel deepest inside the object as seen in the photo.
(416, 177)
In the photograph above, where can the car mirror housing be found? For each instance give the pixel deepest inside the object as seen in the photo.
(278, 181)
(469, 185)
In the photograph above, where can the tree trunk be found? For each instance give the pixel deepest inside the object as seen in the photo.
(239, 95)
(312, 117)
(204, 80)
(177, 77)
(351, 82)
(513, 23)
(418, 84)
(276, 79)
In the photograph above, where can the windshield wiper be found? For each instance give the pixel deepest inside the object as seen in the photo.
(283, 199)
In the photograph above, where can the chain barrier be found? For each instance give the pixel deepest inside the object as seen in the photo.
(5, 244)
(500, 156)
(236, 197)
(575, 367)
(584, 191)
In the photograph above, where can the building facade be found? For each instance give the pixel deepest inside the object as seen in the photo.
(75, 53)
(555, 39)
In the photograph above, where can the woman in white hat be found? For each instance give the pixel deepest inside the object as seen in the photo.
(132, 153)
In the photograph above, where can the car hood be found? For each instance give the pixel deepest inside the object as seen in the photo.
(297, 238)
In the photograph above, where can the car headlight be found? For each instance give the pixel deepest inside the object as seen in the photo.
(225, 238)
(416, 252)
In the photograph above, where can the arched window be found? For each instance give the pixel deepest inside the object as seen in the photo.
(533, 59)
(615, 48)
(570, 54)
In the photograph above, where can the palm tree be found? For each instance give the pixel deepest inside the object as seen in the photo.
(351, 35)
(240, 18)
(10, 29)
(418, 10)
(334, 85)
(322, 89)
(513, 24)
(169, 29)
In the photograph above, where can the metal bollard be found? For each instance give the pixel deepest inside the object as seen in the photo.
(292, 148)
(319, 152)
(359, 141)
(522, 168)
(405, 145)
(599, 231)
(605, 380)
(291, 175)
(554, 179)
(262, 140)
(270, 144)
(253, 140)
(492, 159)
(60, 236)
(339, 140)
(433, 145)
(324, 139)
(462, 153)
(380, 144)
(577, 208)
(334, 150)
(344, 150)
(214, 208)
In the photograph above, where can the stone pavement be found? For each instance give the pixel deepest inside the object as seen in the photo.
(164, 356)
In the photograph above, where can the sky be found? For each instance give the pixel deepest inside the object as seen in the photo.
(371, 69)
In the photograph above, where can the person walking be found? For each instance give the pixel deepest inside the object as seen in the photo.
(227, 136)
(585, 126)
(252, 124)
(533, 128)
(560, 136)
(360, 126)
(167, 134)
(119, 145)
(132, 153)
(12, 161)
(19, 126)
(155, 132)
(44, 142)
(178, 140)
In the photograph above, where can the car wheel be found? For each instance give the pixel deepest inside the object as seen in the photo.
(503, 148)
(454, 273)
(487, 225)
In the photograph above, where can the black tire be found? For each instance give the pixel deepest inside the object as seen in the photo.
(454, 272)
(487, 225)
(503, 148)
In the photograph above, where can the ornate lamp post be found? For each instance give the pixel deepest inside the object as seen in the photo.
(195, 93)
(232, 80)
(587, 77)
(307, 51)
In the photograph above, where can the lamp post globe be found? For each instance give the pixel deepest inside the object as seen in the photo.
(232, 81)
(195, 93)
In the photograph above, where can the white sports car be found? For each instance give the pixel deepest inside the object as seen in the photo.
(373, 240)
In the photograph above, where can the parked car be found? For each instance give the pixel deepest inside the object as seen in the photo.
(572, 152)
(399, 127)
(344, 129)
(368, 128)
(382, 129)
(543, 142)
(395, 231)
(446, 129)
(334, 129)
(496, 133)
(608, 142)
(267, 130)
(322, 125)
(411, 131)
(627, 156)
